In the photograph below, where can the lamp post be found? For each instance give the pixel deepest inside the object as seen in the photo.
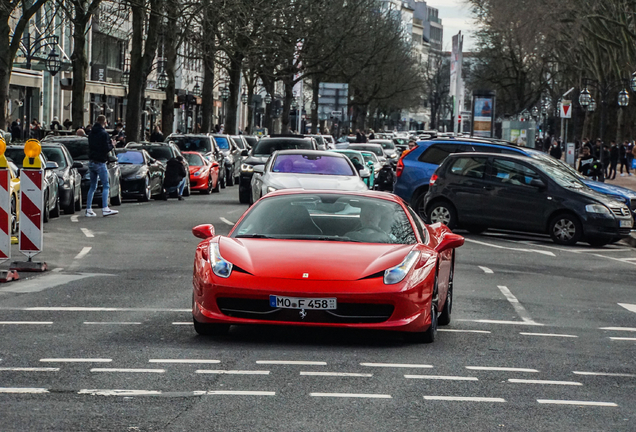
(225, 95)
(604, 89)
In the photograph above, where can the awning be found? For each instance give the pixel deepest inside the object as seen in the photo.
(26, 78)
(108, 89)
(115, 90)
(155, 94)
(94, 87)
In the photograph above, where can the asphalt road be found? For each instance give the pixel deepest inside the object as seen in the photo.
(543, 337)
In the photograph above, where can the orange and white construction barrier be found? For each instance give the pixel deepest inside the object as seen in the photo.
(31, 207)
(5, 214)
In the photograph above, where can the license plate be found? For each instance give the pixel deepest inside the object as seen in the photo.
(303, 303)
(627, 223)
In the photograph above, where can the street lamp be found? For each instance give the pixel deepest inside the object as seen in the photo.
(592, 106)
(53, 62)
(225, 93)
(623, 98)
(244, 98)
(268, 98)
(162, 81)
(585, 98)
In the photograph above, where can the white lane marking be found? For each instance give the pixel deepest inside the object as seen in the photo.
(75, 219)
(111, 323)
(628, 259)
(23, 390)
(397, 365)
(464, 399)
(336, 374)
(501, 369)
(622, 339)
(190, 361)
(511, 248)
(609, 374)
(582, 251)
(629, 307)
(57, 270)
(183, 323)
(88, 233)
(45, 282)
(548, 335)
(627, 329)
(227, 222)
(615, 259)
(442, 377)
(119, 392)
(352, 395)
(463, 331)
(521, 311)
(572, 402)
(83, 252)
(232, 372)
(291, 362)
(28, 369)
(94, 309)
(241, 393)
(546, 382)
(486, 270)
(76, 360)
(26, 322)
(124, 370)
(489, 321)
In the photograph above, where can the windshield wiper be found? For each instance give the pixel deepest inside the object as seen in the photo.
(256, 236)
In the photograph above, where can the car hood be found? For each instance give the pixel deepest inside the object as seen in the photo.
(610, 189)
(598, 196)
(255, 160)
(130, 170)
(320, 260)
(194, 169)
(313, 181)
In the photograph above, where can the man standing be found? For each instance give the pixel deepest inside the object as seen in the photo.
(99, 145)
(622, 156)
(119, 136)
(613, 161)
(555, 150)
(176, 177)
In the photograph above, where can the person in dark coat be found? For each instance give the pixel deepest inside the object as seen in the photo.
(176, 176)
(16, 131)
(622, 156)
(156, 135)
(613, 159)
(555, 150)
(100, 145)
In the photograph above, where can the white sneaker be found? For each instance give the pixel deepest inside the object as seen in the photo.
(90, 213)
(622, 175)
(630, 174)
(108, 212)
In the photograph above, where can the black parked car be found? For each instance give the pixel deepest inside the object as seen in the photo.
(69, 178)
(477, 191)
(204, 144)
(232, 157)
(259, 154)
(163, 152)
(78, 148)
(141, 175)
(15, 153)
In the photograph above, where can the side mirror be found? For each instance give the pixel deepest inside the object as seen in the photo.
(112, 159)
(203, 231)
(52, 165)
(245, 153)
(77, 165)
(449, 241)
(538, 183)
(151, 160)
(365, 173)
(259, 169)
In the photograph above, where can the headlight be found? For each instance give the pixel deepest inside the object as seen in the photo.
(199, 173)
(271, 189)
(398, 273)
(597, 208)
(220, 267)
(393, 156)
(246, 168)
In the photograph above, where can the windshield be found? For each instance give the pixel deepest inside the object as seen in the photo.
(312, 164)
(222, 142)
(374, 148)
(160, 153)
(369, 157)
(327, 217)
(558, 164)
(238, 142)
(78, 150)
(267, 146)
(561, 176)
(251, 141)
(130, 157)
(386, 145)
(319, 139)
(193, 159)
(196, 144)
(55, 154)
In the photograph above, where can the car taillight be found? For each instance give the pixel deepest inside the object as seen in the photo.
(400, 165)
(433, 179)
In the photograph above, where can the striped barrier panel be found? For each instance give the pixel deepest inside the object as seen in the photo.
(31, 214)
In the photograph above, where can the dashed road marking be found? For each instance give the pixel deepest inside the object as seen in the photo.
(501, 369)
(88, 233)
(486, 270)
(397, 365)
(548, 335)
(542, 252)
(29, 390)
(291, 362)
(26, 322)
(119, 392)
(442, 377)
(622, 339)
(111, 323)
(336, 374)
(521, 311)
(464, 399)
(75, 219)
(629, 307)
(226, 221)
(188, 361)
(627, 329)
(463, 331)
(127, 370)
(28, 369)
(183, 323)
(83, 252)
(232, 372)
(352, 395)
(572, 402)
(94, 309)
(503, 322)
(76, 360)
(608, 374)
(241, 393)
(546, 382)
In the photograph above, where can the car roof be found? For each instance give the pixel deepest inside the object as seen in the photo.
(367, 194)
(307, 152)
(519, 156)
(365, 144)
(472, 140)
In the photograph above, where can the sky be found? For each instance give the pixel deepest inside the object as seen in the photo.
(455, 16)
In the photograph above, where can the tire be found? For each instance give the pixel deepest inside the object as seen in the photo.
(55, 213)
(444, 212)
(475, 229)
(217, 187)
(116, 200)
(210, 329)
(599, 242)
(244, 197)
(229, 178)
(224, 180)
(78, 203)
(430, 334)
(47, 210)
(70, 209)
(209, 188)
(445, 317)
(147, 191)
(187, 191)
(237, 179)
(565, 229)
(418, 206)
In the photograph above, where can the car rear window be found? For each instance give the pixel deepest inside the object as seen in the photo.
(436, 153)
(222, 142)
(267, 146)
(312, 164)
(197, 144)
(377, 149)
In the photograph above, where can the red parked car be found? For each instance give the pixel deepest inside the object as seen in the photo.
(329, 259)
(204, 174)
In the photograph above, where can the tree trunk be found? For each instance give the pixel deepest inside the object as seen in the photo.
(231, 121)
(289, 95)
(209, 51)
(6, 66)
(315, 88)
(250, 112)
(269, 87)
(80, 70)
(170, 54)
(619, 125)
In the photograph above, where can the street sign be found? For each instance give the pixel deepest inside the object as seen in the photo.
(566, 109)
(336, 114)
(334, 99)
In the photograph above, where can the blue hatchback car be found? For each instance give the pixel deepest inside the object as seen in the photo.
(415, 169)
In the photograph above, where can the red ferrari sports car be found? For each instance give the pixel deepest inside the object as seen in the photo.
(326, 258)
(204, 175)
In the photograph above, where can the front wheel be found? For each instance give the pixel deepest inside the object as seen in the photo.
(116, 200)
(55, 213)
(223, 181)
(229, 178)
(565, 229)
(187, 191)
(443, 212)
(445, 316)
(70, 209)
(147, 191)
(205, 329)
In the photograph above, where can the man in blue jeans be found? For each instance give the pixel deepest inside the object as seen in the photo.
(99, 145)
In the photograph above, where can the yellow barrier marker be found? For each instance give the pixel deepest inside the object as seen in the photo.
(32, 150)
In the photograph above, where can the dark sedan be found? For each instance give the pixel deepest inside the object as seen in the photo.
(163, 152)
(206, 146)
(69, 178)
(141, 176)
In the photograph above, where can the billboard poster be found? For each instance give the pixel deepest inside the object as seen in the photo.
(483, 113)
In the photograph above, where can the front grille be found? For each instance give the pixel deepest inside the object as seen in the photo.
(352, 313)
(620, 211)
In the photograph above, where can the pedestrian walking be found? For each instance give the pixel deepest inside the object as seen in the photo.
(100, 145)
(80, 132)
(555, 150)
(176, 176)
(36, 130)
(156, 135)
(622, 156)
(613, 161)
(371, 135)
